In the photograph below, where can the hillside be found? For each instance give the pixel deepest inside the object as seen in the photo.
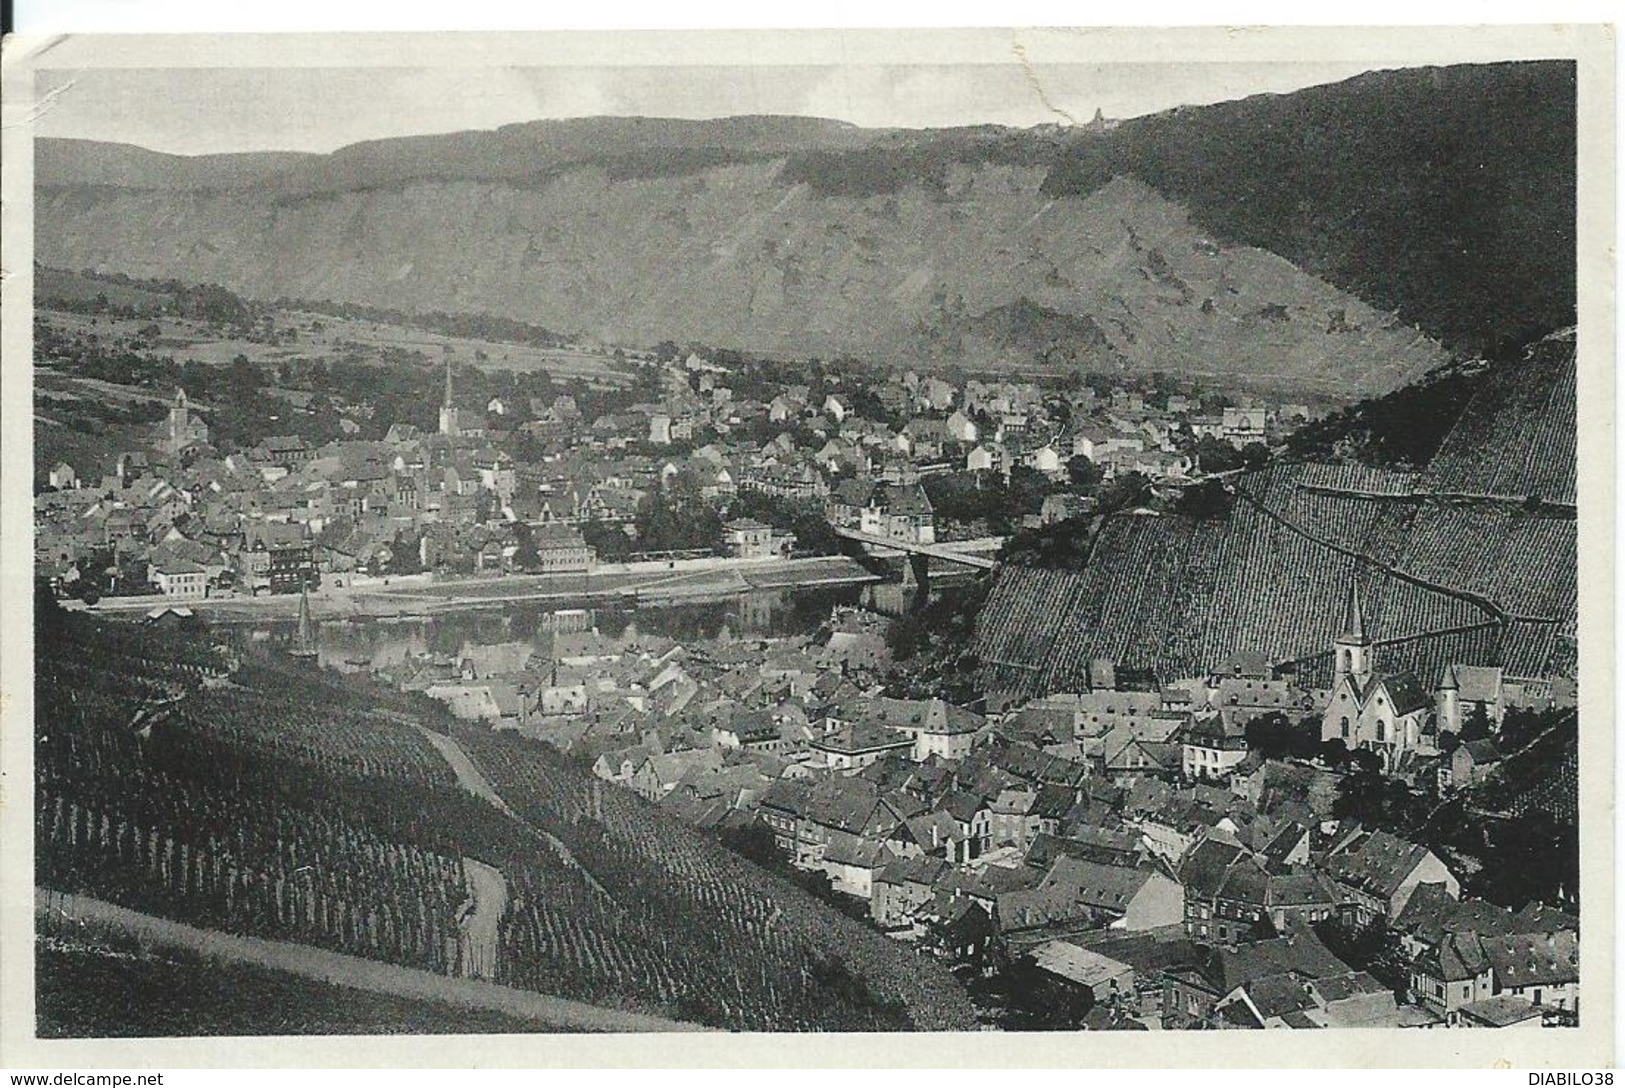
(195, 783)
(729, 256)
(1415, 190)
(1471, 560)
(1447, 194)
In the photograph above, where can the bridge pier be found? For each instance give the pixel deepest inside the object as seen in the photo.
(917, 577)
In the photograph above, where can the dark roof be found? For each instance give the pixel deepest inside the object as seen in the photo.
(1457, 958)
(1102, 887)
(1203, 869)
(1534, 959)
(857, 852)
(854, 491)
(1499, 1012)
(919, 870)
(1539, 918)
(1343, 987)
(1378, 863)
(905, 499)
(1277, 995)
(554, 535)
(854, 739)
(1300, 952)
(1405, 691)
(1285, 841)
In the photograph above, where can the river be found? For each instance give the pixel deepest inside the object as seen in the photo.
(380, 643)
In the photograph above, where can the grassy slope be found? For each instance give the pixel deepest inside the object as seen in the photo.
(95, 990)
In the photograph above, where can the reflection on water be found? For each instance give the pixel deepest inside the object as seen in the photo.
(382, 643)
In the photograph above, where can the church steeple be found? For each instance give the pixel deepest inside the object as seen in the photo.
(1354, 617)
(450, 426)
(1353, 646)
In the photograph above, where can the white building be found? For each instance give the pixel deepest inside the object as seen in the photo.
(1378, 712)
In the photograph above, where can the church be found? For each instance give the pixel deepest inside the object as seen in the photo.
(1380, 712)
(181, 428)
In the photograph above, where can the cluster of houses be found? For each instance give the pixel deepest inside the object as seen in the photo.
(186, 519)
(1128, 842)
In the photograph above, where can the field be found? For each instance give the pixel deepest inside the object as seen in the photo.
(726, 931)
(256, 796)
(305, 338)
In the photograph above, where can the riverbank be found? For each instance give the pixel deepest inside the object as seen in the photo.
(685, 580)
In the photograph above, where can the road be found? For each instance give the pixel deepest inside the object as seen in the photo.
(470, 777)
(354, 972)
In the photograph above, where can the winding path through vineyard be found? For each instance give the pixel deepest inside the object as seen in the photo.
(337, 969)
(468, 775)
(480, 932)
(472, 779)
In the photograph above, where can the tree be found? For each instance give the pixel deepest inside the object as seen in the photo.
(525, 556)
(1534, 856)
(1273, 736)
(1215, 455)
(1475, 724)
(675, 517)
(609, 542)
(1254, 456)
(1372, 947)
(1083, 475)
(1208, 499)
(905, 635)
(1332, 752)
(1127, 490)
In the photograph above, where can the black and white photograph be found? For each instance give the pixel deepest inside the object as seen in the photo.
(782, 540)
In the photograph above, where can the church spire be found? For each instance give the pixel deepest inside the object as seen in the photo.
(449, 423)
(1353, 647)
(1354, 617)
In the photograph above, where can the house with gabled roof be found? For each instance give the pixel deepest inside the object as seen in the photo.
(936, 727)
(1541, 968)
(1181, 822)
(901, 887)
(851, 862)
(928, 834)
(1191, 994)
(659, 774)
(1377, 872)
(852, 746)
(1471, 763)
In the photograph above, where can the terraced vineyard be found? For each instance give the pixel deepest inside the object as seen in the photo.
(168, 815)
(658, 909)
(271, 801)
(1517, 438)
(1471, 561)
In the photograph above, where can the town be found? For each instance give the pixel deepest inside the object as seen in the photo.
(1212, 850)
(718, 461)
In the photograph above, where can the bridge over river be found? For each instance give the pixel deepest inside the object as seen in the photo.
(968, 553)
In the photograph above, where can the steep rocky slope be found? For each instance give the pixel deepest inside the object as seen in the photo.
(1176, 241)
(729, 255)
